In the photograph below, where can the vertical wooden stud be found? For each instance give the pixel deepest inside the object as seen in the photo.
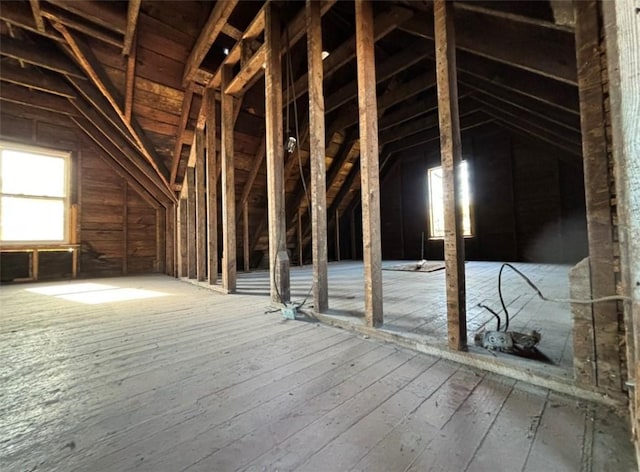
(212, 186)
(184, 252)
(317, 159)
(337, 219)
(278, 257)
(622, 31)
(201, 210)
(300, 236)
(125, 227)
(369, 166)
(191, 222)
(245, 235)
(597, 194)
(228, 188)
(451, 154)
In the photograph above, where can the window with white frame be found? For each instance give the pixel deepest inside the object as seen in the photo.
(34, 195)
(436, 201)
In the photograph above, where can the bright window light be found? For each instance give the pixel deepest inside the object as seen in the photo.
(436, 201)
(33, 194)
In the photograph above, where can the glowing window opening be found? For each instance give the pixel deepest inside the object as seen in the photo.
(34, 194)
(436, 201)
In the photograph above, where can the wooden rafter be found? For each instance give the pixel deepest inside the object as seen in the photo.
(98, 77)
(39, 55)
(221, 12)
(37, 80)
(37, 14)
(184, 118)
(132, 20)
(45, 101)
(487, 36)
(385, 23)
(130, 79)
(83, 27)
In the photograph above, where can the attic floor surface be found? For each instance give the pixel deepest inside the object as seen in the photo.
(149, 373)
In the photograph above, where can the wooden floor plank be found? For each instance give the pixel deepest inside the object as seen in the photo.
(195, 380)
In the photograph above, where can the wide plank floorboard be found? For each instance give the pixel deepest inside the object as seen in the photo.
(185, 379)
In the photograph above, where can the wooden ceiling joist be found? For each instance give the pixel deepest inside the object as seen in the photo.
(21, 15)
(219, 16)
(101, 81)
(35, 79)
(41, 55)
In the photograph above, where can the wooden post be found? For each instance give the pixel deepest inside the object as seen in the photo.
(352, 228)
(201, 210)
(278, 257)
(245, 236)
(623, 57)
(597, 195)
(212, 185)
(337, 235)
(451, 154)
(184, 258)
(125, 226)
(228, 189)
(317, 160)
(300, 237)
(170, 238)
(191, 222)
(369, 167)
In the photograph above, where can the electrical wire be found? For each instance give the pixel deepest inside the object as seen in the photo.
(609, 298)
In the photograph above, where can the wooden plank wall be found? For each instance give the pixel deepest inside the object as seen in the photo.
(117, 226)
(512, 178)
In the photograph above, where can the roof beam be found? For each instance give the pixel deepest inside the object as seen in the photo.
(184, 118)
(384, 24)
(36, 79)
(132, 20)
(392, 66)
(100, 80)
(83, 27)
(21, 15)
(474, 7)
(528, 45)
(100, 13)
(219, 16)
(39, 55)
(37, 15)
(33, 98)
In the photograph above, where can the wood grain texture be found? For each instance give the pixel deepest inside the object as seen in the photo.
(598, 195)
(212, 185)
(622, 34)
(228, 188)
(451, 152)
(368, 110)
(317, 159)
(201, 207)
(191, 223)
(223, 386)
(278, 258)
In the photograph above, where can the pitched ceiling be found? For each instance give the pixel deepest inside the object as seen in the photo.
(132, 76)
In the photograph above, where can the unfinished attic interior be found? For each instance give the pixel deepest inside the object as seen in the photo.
(319, 236)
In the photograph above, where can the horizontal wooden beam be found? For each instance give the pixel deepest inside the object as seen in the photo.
(244, 78)
(36, 79)
(101, 13)
(476, 7)
(81, 26)
(40, 55)
(21, 15)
